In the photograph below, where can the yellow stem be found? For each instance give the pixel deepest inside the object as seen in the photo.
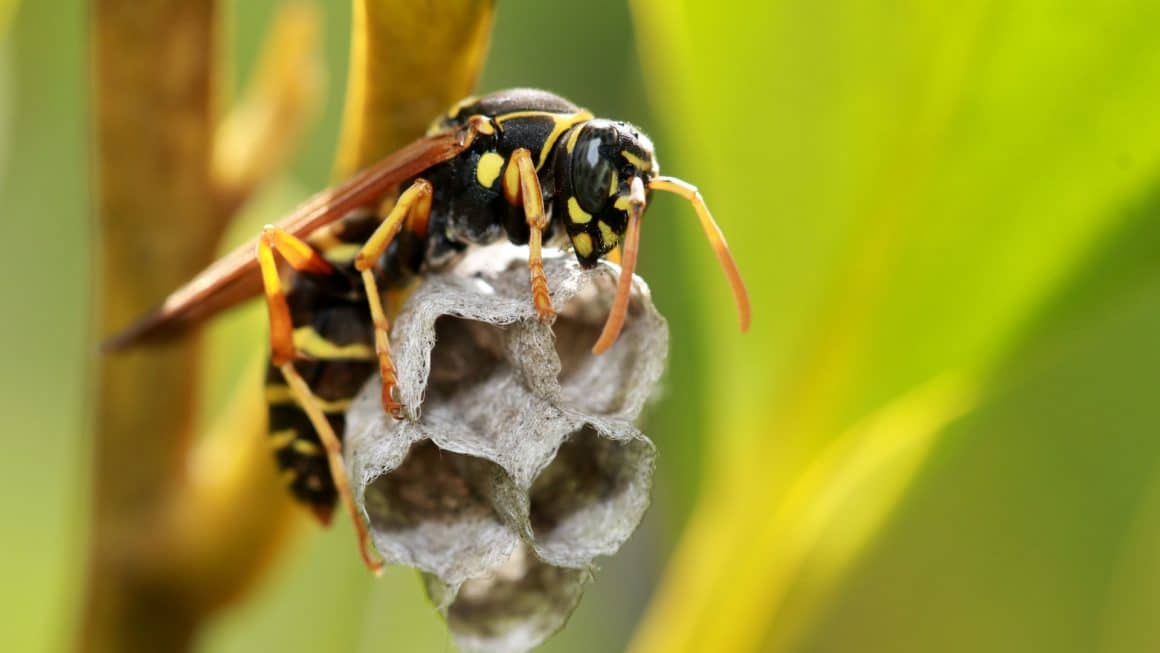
(409, 62)
(256, 138)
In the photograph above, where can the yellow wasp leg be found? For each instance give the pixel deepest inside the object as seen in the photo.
(522, 186)
(414, 203)
(303, 258)
(309, 403)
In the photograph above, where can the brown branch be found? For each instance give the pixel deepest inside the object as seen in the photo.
(178, 530)
(159, 223)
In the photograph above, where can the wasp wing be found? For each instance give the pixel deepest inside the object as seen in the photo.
(236, 278)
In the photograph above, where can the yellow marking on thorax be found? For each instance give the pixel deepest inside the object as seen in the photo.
(583, 244)
(461, 105)
(610, 237)
(488, 169)
(310, 342)
(615, 185)
(281, 439)
(561, 122)
(575, 136)
(485, 127)
(448, 121)
(636, 160)
(440, 124)
(515, 115)
(577, 214)
(281, 394)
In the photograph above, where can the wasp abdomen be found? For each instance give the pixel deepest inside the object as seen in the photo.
(336, 344)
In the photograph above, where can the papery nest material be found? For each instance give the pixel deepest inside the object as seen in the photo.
(518, 462)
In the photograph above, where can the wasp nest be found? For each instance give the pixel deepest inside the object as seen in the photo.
(518, 462)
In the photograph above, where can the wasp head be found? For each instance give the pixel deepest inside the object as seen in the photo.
(605, 174)
(602, 169)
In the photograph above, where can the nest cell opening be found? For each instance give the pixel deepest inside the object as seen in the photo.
(467, 354)
(431, 486)
(591, 497)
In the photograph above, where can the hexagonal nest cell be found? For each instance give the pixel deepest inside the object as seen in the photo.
(518, 462)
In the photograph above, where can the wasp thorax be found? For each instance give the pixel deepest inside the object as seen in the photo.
(594, 168)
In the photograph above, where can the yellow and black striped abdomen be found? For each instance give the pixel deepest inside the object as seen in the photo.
(335, 335)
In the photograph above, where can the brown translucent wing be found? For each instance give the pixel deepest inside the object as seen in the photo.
(235, 278)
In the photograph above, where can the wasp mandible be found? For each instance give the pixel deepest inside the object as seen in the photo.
(522, 164)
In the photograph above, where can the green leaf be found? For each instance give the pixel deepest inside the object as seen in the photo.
(1034, 526)
(908, 189)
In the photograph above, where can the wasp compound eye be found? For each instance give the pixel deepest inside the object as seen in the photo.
(591, 169)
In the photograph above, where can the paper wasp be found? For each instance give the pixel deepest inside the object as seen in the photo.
(523, 164)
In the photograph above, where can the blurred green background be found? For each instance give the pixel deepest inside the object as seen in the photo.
(943, 431)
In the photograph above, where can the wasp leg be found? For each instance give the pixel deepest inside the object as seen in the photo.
(309, 403)
(522, 186)
(304, 258)
(414, 204)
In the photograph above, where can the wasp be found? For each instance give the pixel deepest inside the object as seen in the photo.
(522, 164)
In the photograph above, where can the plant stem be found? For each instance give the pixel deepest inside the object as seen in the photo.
(159, 224)
(181, 528)
(409, 62)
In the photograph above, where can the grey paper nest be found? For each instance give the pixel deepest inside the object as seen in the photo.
(518, 462)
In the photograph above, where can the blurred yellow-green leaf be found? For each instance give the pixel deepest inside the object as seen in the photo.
(836, 504)
(923, 181)
(7, 8)
(1035, 520)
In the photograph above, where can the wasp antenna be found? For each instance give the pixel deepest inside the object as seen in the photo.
(619, 310)
(716, 240)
